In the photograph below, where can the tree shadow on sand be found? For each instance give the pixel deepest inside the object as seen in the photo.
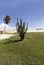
(12, 41)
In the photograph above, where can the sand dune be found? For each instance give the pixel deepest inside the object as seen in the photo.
(5, 36)
(35, 31)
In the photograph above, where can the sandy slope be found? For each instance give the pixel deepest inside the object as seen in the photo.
(35, 31)
(5, 36)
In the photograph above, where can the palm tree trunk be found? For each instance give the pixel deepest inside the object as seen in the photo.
(5, 28)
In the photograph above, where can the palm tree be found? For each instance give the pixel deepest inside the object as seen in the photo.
(21, 28)
(6, 21)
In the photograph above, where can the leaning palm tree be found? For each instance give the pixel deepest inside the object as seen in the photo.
(21, 28)
(6, 21)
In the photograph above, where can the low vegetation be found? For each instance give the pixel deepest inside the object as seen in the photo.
(30, 51)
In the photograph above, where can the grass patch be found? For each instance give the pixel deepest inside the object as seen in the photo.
(30, 51)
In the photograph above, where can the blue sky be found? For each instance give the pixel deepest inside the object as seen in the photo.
(31, 11)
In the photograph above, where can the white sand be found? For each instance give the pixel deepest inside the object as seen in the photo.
(5, 36)
(35, 31)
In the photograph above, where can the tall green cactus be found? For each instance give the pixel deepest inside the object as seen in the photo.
(21, 28)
